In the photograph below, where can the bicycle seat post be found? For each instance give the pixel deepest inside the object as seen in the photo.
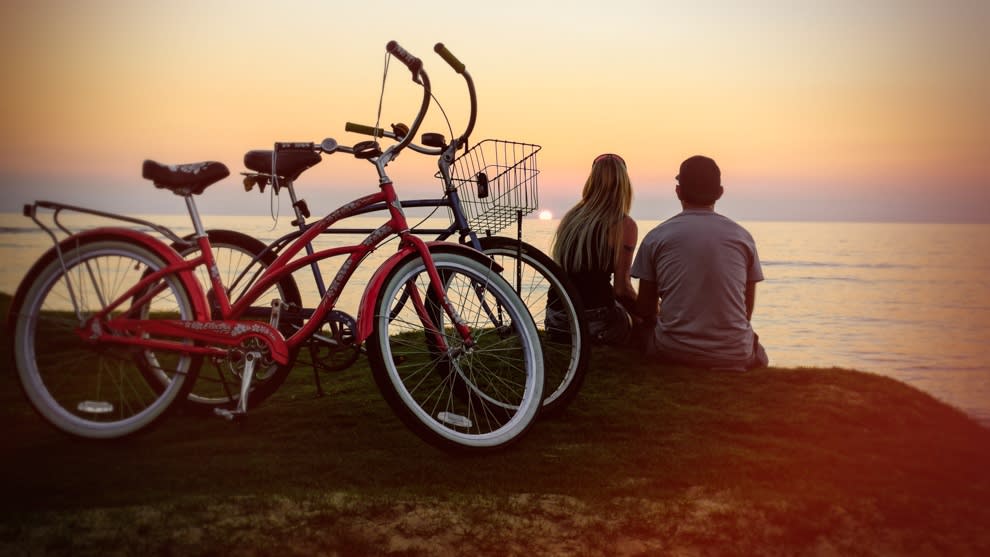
(300, 221)
(194, 216)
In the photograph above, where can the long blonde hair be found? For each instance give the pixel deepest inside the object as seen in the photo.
(590, 234)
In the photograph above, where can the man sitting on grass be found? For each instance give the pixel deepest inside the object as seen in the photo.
(703, 268)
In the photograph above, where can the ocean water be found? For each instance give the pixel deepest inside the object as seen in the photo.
(911, 301)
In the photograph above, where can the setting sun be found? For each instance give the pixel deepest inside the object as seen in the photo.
(545, 215)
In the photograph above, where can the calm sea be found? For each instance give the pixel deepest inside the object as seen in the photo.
(911, 301)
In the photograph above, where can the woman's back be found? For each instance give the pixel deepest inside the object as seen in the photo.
(590, 239)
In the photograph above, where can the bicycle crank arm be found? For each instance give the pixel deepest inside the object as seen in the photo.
(250, 360)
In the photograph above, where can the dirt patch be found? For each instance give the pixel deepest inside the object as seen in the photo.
(698, 522)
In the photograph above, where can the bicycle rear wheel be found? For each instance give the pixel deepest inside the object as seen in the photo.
(541, 283)
(476, 398)
(85, 388)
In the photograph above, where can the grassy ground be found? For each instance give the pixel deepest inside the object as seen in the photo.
(649, 460)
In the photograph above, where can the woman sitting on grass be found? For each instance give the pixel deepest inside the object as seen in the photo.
(594, 244)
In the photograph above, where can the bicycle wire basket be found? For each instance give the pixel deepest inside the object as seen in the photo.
(496, 182)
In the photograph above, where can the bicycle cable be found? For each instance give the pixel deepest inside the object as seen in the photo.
(395, 237)
(378, 118)
(274, 207)
(426, 218)
(381, 101)
(450, 127)
(381, 97)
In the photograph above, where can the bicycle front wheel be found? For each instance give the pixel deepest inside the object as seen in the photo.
(473, 398)
(82, 387)
(543, 287)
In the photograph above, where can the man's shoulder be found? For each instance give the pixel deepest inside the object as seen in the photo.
(665, 227)
(687, 219)
(735, 227)
(660, 229)
(698, 222)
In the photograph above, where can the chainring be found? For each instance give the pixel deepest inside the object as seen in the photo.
(333, 347)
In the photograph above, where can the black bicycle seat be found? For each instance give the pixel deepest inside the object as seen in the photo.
(185, 179)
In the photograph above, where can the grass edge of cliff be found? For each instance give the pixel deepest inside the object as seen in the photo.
(647, 459)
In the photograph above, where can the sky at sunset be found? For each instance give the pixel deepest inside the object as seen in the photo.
(837, 110)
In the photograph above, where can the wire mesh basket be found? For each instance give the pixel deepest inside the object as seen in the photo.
(496, 181)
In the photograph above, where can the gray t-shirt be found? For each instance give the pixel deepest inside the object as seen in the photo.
(701, 262)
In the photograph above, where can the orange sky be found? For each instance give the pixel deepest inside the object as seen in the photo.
(865, 110)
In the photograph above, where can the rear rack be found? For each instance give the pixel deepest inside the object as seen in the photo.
(31, 211)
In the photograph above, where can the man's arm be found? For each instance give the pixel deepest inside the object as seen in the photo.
(646, 302)
(750, 299)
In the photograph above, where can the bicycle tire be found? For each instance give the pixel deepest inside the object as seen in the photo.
(96, 390)
(217, 387)
(507, 385)
(566, 351)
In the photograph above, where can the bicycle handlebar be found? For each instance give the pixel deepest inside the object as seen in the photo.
(459, 67)
(449, 58)
(414, 64)
(455, 144)
(379, 132)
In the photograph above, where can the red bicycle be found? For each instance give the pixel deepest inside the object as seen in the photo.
(486, 189)
(110, 326)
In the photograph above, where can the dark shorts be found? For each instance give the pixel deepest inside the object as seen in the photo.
(606, 325)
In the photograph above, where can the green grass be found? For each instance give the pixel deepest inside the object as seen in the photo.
(649, 459)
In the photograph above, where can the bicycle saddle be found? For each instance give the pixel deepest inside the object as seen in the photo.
(291, 163)
(184, 179)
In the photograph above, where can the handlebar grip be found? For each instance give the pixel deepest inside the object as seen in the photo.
(414, 64)
(366, 130)
(449, 58)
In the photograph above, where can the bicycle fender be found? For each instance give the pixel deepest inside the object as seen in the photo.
(366, 309)
(162, 250)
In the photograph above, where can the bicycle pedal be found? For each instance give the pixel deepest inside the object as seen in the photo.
(230, 415)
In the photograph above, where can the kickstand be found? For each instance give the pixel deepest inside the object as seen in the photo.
(316, 375)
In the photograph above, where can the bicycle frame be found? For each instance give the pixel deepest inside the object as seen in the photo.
(458, 226)
(227, 330)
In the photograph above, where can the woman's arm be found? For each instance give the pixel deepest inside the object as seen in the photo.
(622, 281)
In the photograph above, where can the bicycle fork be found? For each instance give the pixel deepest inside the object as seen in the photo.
(437, 287)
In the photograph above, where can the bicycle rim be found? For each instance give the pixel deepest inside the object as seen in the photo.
(537, 280)
(96, 390)
(472, 398)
